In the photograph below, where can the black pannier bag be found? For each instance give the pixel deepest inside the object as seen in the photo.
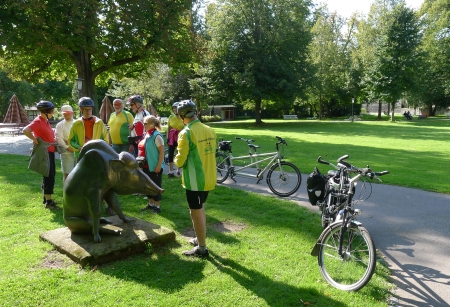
(315, 186)
(224, 146)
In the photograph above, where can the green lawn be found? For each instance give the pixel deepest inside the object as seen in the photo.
(265, 261)
(415, 152)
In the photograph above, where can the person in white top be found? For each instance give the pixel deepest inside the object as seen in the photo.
(136, 103)
(68, 161)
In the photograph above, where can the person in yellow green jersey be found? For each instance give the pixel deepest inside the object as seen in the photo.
(87, 127)
(196, 156)
(174, 126)
(118, 127)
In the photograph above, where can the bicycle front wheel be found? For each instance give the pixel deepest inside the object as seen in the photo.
(352, 270)
(284, 179)
(222, 166)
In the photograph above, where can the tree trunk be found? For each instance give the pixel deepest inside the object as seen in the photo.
(320, 107)
(432, 112)
(379, 109)
(258, 111)
(84, 71)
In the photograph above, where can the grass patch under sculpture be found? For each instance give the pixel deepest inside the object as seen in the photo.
(260, 254)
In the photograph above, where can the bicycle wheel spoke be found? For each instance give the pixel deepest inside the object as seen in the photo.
(354, 268)
(284, 179)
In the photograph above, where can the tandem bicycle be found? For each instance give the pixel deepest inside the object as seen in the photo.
(283, 178)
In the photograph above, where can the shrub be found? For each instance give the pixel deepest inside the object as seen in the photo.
(214, 118)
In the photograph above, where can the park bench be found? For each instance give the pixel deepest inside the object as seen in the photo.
(290, 116)
(13, 129)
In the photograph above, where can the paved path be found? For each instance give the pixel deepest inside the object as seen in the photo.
(411, 227)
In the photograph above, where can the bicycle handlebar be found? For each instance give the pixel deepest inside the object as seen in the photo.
(363, 171)
(319, 159)
(281, 140)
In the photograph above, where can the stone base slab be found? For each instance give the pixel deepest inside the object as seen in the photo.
(134, 238)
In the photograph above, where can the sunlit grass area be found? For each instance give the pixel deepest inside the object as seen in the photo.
(260, 254)
(415, 152)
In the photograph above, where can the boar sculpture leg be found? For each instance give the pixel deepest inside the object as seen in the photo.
(101, 174)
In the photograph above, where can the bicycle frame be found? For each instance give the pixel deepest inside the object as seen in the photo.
(349, 213)
(254, 162)
(283, 178)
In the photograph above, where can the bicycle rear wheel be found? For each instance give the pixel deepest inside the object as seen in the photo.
(355, 268)
(222, 166)
(284, 179)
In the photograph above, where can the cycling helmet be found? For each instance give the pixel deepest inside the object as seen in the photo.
(44, 106)
(85, 102)
(134, 99)
(175, 104)
(187, 108)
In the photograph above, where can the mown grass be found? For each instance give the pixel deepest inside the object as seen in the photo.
(415, 152)
(267, 263)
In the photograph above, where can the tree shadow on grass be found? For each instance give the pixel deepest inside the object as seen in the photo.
(163, 269)
(169, 272)
(274, 293)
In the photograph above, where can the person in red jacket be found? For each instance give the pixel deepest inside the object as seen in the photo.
(40, 128)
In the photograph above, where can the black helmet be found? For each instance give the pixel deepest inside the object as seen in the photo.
(85, 102)
(134, 99)
(186, 108)
(44, 105)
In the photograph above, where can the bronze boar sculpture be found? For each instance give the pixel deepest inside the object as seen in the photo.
(101, 174)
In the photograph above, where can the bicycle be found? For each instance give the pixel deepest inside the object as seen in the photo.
(345, 251)
(283, 178)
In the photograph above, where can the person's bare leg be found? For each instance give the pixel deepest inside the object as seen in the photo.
(198, 217)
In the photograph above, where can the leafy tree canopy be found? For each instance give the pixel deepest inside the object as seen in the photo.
(259, 48)
(48, 38)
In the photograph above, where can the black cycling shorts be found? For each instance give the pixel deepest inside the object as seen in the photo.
(196, 199)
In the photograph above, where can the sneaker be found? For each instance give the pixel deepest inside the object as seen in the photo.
(195, 252)
(170, 175)
(156, 210)
(193, 242)
(178, 173)
(110, 212)
(44, 202)
(51, 205)
(149, 207)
